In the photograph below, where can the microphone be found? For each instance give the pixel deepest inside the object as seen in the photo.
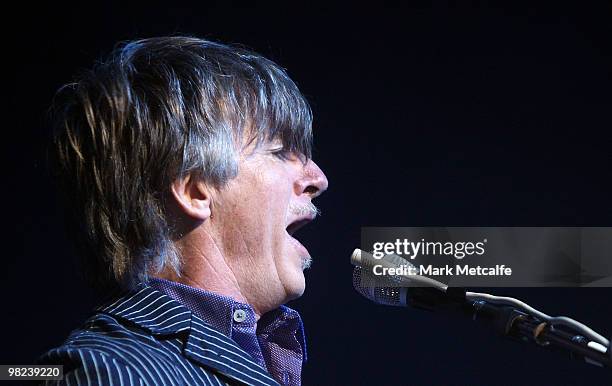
(401, 290)
(510, 317)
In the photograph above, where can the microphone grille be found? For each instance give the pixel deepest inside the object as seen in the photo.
(370, 287)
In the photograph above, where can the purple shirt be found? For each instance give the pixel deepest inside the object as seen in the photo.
(277, 342)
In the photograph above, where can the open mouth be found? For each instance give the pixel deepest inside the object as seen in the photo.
(296, 225)
(291, 229)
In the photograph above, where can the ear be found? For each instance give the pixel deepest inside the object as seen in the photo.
(193, 197)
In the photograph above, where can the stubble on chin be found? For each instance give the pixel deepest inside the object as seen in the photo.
(306, 262)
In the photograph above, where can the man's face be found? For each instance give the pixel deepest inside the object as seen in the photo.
(253, 218)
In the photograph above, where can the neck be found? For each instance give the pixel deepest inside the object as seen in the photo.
(204, 266)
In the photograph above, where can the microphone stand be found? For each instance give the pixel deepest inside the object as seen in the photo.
(512, 322)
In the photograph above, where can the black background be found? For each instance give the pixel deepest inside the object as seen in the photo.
(475, 115)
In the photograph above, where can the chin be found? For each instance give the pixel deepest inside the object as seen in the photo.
(295, 285)
(292, 270)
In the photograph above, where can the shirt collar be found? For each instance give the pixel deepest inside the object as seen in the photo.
(220, 311)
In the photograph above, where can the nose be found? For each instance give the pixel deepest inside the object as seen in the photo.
(313, 181)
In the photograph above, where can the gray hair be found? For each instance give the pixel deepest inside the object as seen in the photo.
(156, 110)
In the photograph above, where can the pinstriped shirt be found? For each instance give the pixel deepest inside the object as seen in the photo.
(147, 338)
(276, 342)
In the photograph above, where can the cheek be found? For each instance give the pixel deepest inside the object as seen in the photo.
(273, 206)
(270, 194)
(262, 207)
(273, 189)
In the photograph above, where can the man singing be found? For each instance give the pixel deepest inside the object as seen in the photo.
(186, 167)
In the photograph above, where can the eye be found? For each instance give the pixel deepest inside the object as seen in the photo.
(282, 154)
(288, 155)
